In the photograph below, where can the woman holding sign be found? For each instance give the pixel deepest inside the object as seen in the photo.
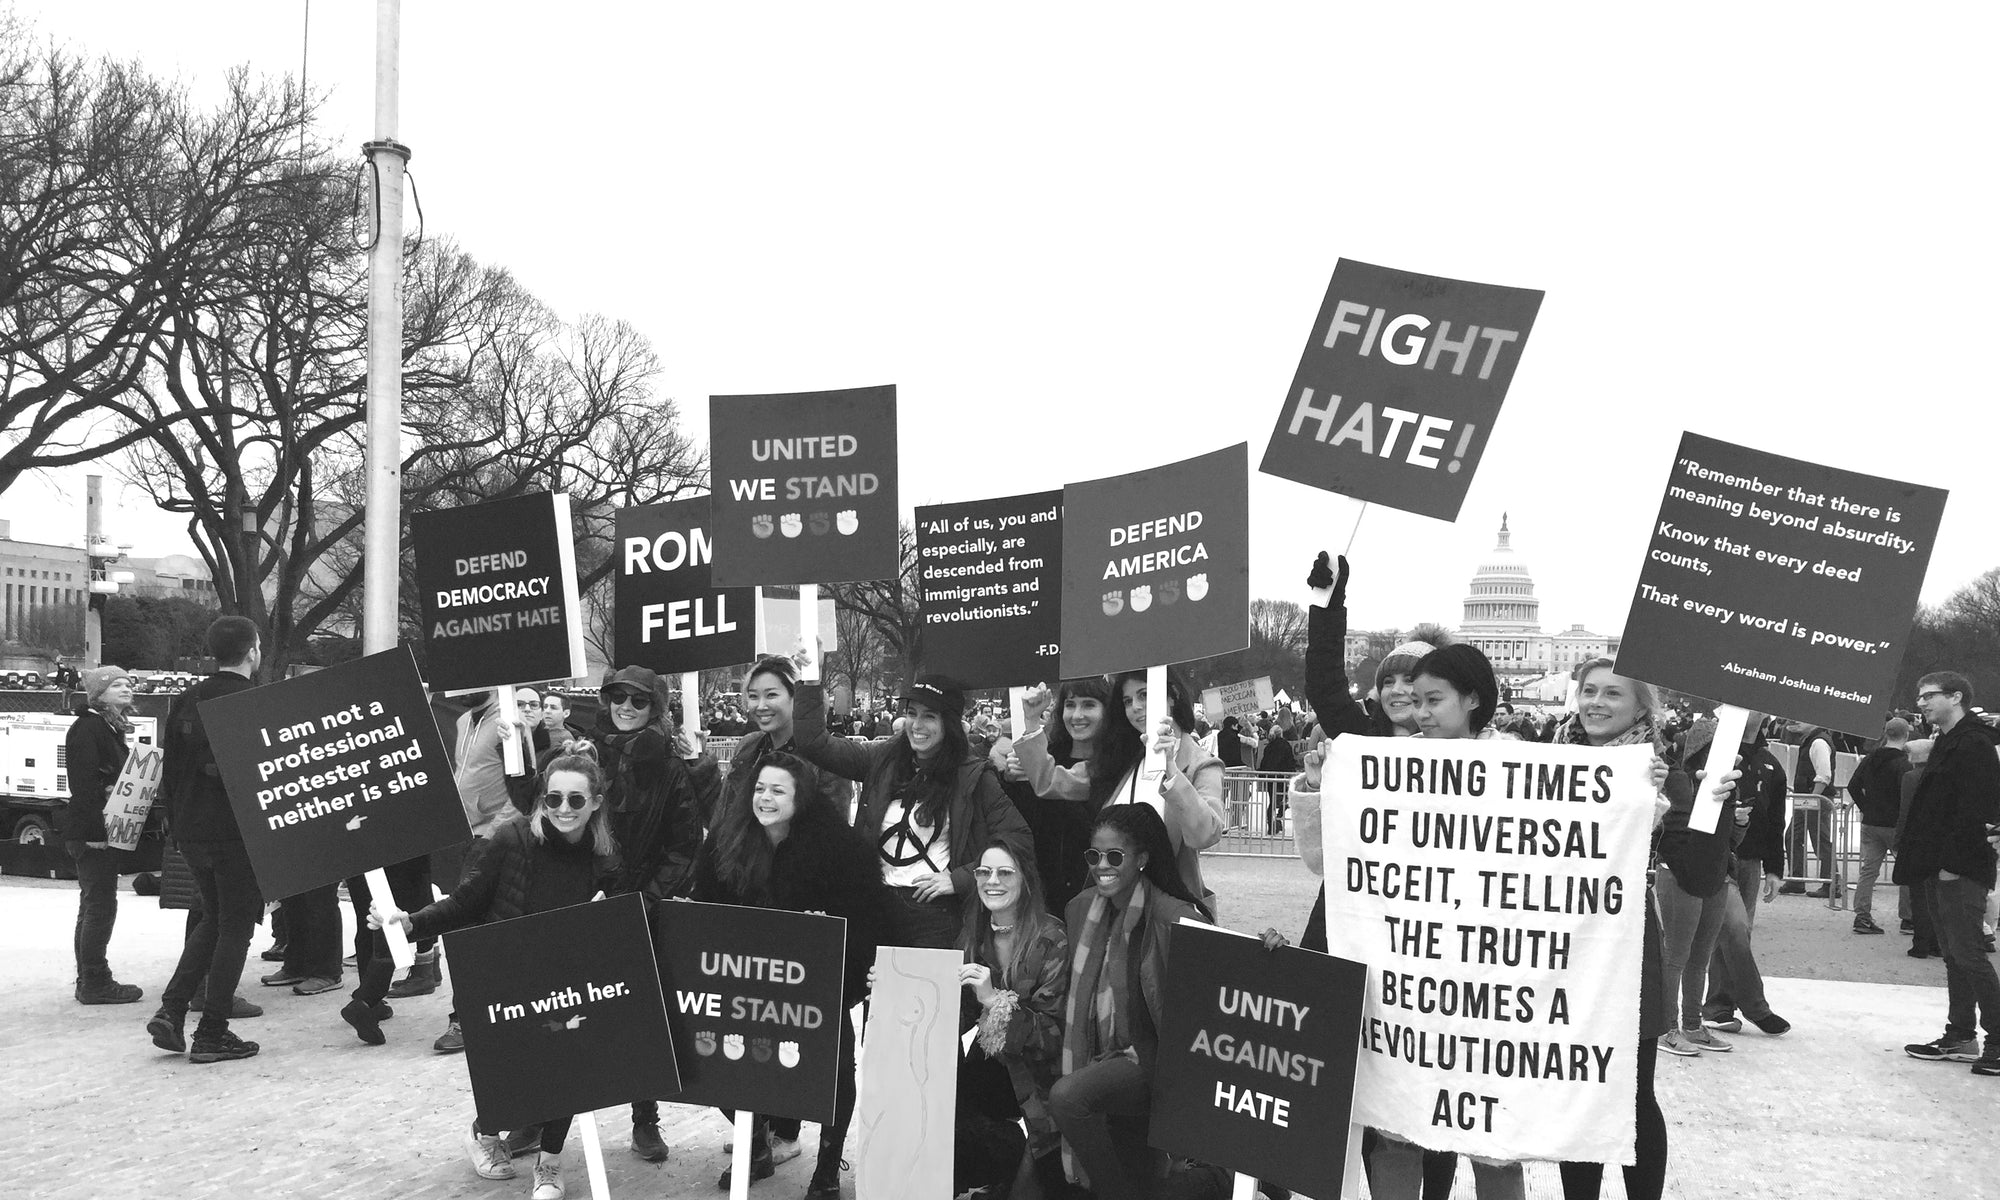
(769, 696)
(784, 843)
(928, 804)
(558, 857)
(1076, 740)
(94, 751)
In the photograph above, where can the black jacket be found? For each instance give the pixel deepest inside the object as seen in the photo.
(92, 752)
(1337, 712)
(1877, 785)
(658, 805)
(197, 805)
(1764, 789)
(1958, 796)
(497, 882)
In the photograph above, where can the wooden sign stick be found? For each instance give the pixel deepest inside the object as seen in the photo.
(739, 1156)
(691, 707)
(593, 1155)
(510, 713)
(1156, 712)
(809, 632)
(401, 952)
(1017, 709)
(1730, 724)
(1245, 1187)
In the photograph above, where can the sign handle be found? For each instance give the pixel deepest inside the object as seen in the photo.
(400, 951)
(739, 1155)
(1245, 1187)
(1730, 723)
(1017, 709)
(1351, 1172)
(510, 713)
(809, 632)
(593, 1155)
(1357, 529)
(691, 706)
(1156, 712)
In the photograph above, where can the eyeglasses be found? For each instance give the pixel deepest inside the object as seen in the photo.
(634, 699)
(1923, 696)
(1096, 857)
(575, 800)
(1002, 874)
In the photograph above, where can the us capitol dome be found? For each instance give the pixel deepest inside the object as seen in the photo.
(1503, 618)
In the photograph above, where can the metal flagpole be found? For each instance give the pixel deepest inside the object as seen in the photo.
(382, 530)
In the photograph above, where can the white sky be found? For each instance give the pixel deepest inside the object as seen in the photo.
(1089, 239)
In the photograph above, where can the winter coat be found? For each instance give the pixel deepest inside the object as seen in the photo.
(658, 806)
(1023, 1029)
(741, 780)
(197, 806)
(1877, 785)
(498, 881)
(93, 754)
(1955, 801)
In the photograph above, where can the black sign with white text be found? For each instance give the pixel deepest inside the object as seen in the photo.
(668, 615)
(991, 578)
(496, 583)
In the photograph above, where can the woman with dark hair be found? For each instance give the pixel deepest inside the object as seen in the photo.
(562, 855)
(928, 805)
(1117, 972)
(782, 843)
(769, 698)
(1048, 771)
(1016, 974)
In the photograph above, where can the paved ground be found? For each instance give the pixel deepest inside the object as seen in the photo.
(1835, 1108)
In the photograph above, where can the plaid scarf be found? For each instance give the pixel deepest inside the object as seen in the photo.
(1571, 733)
(1099, 968)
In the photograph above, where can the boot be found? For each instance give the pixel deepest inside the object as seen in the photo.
(423, 978)
(96, 986)
(825, 1183)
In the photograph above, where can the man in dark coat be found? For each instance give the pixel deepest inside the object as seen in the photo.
(1877, 790)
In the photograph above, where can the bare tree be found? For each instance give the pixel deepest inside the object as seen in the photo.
(889, 606)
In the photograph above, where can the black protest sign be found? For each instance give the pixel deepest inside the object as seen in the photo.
(753, 995)
(1399, 386)
(989, 574)
(804, 487)
(334, 773)
(1256, 1065)
(562, 1012)
(1780, 585)
(667, 614)
(1156, 565)
(496, 583)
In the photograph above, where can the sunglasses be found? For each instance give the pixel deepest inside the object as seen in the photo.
(634, 699)
(1003, 874)
(1095, 857)
(575, 800)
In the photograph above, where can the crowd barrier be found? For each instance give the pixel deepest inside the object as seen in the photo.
(1260, 822)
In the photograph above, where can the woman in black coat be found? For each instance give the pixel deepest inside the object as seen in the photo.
(94, 751)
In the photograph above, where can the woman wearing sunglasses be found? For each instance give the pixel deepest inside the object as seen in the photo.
(782, 843)
(1117, 972)
(929, 806)
(1016, 975)
(562, 855)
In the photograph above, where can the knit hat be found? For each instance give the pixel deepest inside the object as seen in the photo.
(97, 679)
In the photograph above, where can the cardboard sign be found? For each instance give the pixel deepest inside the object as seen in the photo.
(753, 996)
(778, 621)
(990, 575)
(667, 614)
(131, 797)
(805, 487)
(1156, 565)
(496, 584)
(1256, 1066)
(909, 1075)
(1245, 699)
(1780, 585)
(1399, 386)
(562, 1012)
(336, 772)
(1496, 890)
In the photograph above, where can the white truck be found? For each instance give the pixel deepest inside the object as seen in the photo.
(34, 772)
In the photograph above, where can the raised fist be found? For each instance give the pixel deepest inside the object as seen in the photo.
(790, 525)
(761, 525)
(732, 1046)
(1321, 575)
(704, 1042)
(1197, 586)
(847, 521)
(820, 524)
(760, 1049)
(788, 1054)
(1142, 597)
(1114, 603)
(1170, 590)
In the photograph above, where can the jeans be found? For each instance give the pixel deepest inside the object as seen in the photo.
(1083, 1103)
(1747, 875)
(312, 932)
(1958, 906)
(1876, 841)
(1690, 926)
(1819, 831)
(409, 887)
(1732, 969)
(231, 906)
(1396, 1172)
(929, 925)
(1924, 936)
(96, 910)
(554, 1132)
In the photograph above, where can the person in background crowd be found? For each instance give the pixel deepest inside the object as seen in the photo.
(555, 720)
(205, 830)
(560, 856)
(1756, 868)
(928, 804)
(1923, 937)
(1877, 790)
(782, 843)
(311, 962)
(95, 751)
(1945, 844)
(1813, 774)
(1277, 756)
(1117, 970)
(1229, 743)
(1016, 976)
(1080, 729)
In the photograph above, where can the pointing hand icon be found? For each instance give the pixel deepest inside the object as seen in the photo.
(354, 822)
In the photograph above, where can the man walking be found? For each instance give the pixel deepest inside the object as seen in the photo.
(205, 830)
(1954, 811)
(1877, 789)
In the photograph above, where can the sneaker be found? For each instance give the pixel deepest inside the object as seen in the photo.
(315, 985)
(1706, 1040)
(523, 1141)
(488, 1155)
(1866, 924)
(1725, 1025)
(1674, 1041)
(1922, 951)
(1772, 1024)
(783, 1150)
(239, 1008)
(1792, 889)
(1989, 1062)
(451, 1041)
(548, 1177)
(109, 991)
(348, 962)
(382, 1010)
(361, 1015)
(760, 1168)
(1945, 1049)
(167, 1033)
(1818, 893)
(275, 954)
(1908, 926)
(647, 1143)
(282, 977)
(220, 1047)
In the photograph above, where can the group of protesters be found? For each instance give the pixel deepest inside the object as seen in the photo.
(1052, 860)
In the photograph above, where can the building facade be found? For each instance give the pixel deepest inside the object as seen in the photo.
(39, 581)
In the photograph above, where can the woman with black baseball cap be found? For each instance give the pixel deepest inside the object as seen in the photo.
(929, 805)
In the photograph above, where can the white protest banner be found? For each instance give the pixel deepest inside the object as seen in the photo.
(131, 797)
(1496, 890)
(1237, 699)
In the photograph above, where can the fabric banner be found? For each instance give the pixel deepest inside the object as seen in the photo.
(1244, 699)
(989, 574)
(496, 587)
(1779, 585)
(1496, 890)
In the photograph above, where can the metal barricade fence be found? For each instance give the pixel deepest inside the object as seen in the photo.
(1259, 815)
